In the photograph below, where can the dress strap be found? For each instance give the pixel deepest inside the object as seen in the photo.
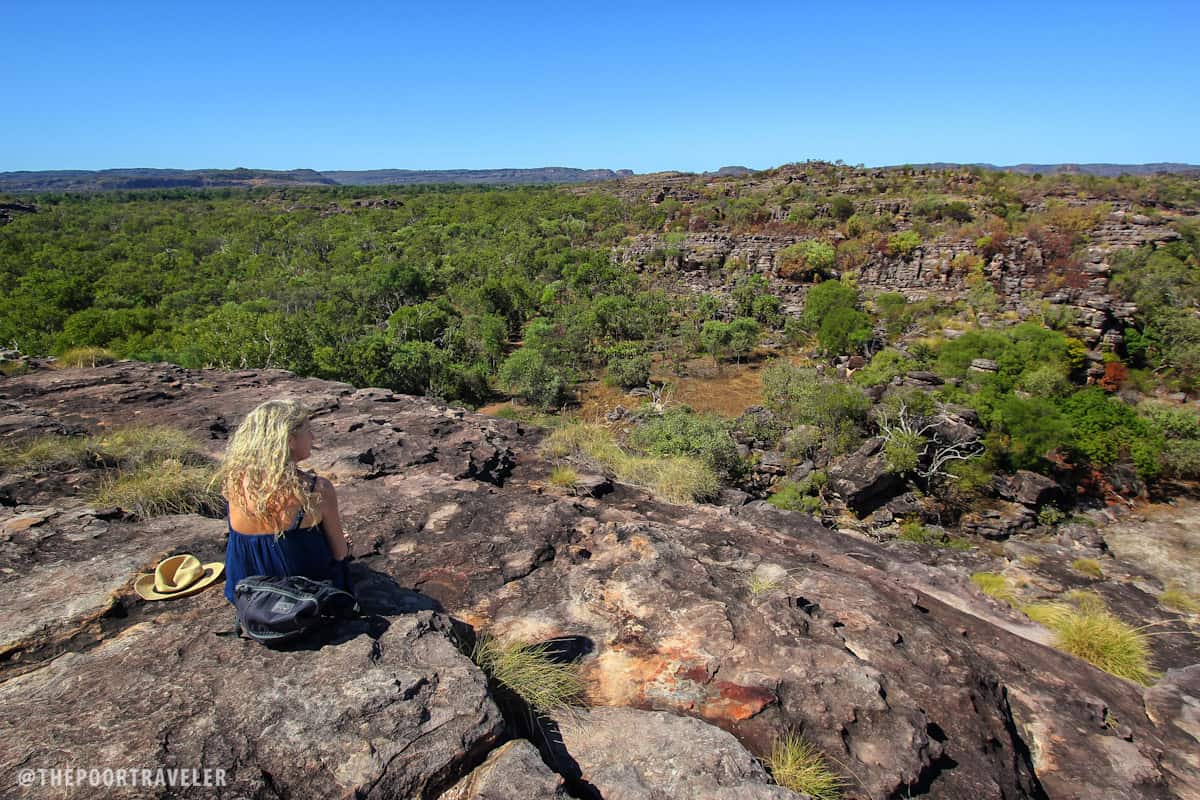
(312, 484)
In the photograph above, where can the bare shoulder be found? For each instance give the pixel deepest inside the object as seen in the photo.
(325, 488)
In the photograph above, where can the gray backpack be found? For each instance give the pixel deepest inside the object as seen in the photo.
(277, 610)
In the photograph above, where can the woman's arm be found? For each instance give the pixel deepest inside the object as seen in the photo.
(331, 520)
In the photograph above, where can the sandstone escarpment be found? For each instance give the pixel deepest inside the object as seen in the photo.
(755, 621)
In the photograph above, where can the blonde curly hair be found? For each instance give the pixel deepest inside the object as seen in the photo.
(257, 473)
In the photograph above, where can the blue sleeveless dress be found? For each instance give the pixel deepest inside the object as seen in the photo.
(299, 551)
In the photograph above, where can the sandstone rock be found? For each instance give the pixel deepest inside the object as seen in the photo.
(915, 685)
(626, 754)
(984, 365)
(997, 520)
(396, 716)
(862, 479)
(1028, 488)
(513, 771)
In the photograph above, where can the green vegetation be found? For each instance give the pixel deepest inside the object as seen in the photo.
(679, 431)
(528, 671)
(1177, 598)
(995, 585)
(913, 531)
(1087, 630)
(798, 765)
(1088, 566)
(678, 479)
(800, 396)
(86, 357)
(166, 487)
(565, 477)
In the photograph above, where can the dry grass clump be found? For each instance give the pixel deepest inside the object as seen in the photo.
(124, 447)
(1089, 567)
(995, 585)
(678, 479)
(86, 357)
(47, 453)
(1085, 628)
(1180, 600)
(798, 765)
(164, 487)
(565, 477)
(529, 672)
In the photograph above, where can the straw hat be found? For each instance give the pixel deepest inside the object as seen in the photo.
(177, 576)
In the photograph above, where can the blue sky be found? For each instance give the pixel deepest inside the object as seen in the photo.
(643, 86)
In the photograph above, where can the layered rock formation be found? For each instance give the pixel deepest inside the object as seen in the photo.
(752, 620)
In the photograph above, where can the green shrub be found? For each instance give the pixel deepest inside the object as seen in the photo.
(680, 431)
(808, 259)
(903, 243)
(628, 371)
(838, 410)
(902, 453)
(844, 330)
(913, 531)
(796, 764)
(885, 365)
(530, 673)
(824, 299)
(527, 374)
(1089, 567)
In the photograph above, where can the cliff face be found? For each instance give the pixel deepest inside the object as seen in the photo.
(709, 262)
(752, 620)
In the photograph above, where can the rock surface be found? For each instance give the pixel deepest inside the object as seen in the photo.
(625, 754)
(755, 620)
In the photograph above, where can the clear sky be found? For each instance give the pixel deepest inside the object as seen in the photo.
(642, 85)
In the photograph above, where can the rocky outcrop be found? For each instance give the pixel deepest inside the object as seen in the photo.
(753, 620)
(652, 755)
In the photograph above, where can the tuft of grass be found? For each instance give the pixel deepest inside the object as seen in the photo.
(1089, 567)
(798, 765)
(527, 671)
(144, 444)
(124, 447)
(760, 585)
(914, 531)
(678, 479)
(995, 585)
(1180, 600)
(13, 368)
(565, 477)
(86, 357)
(1089, 631)
(1031, 560)
(165, 487)
(46, 453)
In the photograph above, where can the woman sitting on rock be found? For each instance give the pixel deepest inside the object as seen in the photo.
(282, 521)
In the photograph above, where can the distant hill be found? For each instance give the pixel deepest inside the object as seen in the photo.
(141, 178)
(1102, 170)
(376, 177)
(119, 179)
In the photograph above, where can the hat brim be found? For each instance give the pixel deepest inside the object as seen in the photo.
(144, 585)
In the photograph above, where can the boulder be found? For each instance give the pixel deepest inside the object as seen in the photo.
(997, 519)
(394, 716)
(984, 365)
(627, 754)
(1030, 489)
(513, 771)
(862, 479)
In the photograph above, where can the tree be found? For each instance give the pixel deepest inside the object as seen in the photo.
(715, 339)
(744, 334)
